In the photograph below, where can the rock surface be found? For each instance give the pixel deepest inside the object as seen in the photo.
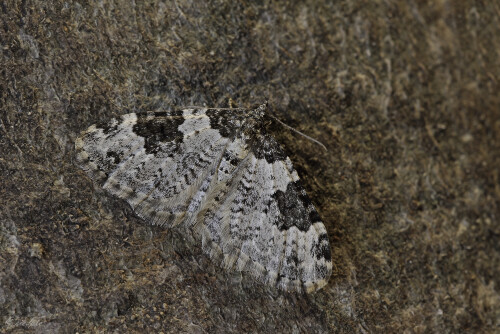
(404, 94)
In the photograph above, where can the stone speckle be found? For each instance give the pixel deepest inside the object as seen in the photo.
(391, 88)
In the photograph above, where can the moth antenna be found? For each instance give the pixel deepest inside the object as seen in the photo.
(264, 107)
(298, 132)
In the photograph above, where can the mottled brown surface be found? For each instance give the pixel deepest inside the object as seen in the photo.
(405, 96)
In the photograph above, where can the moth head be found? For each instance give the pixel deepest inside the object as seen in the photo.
(253, 118)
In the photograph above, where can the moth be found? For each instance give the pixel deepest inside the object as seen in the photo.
(218, 172)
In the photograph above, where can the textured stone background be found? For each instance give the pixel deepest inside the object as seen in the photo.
(403, 93)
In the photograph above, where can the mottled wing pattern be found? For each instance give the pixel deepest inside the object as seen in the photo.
(259, 219)
(226, 180)
(160, 162)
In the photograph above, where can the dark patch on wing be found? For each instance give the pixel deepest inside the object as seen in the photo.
(223, 121)
(294, 206)
(115, 156)
(266, 147)
(321, 248)
(109, 127)
(161, 128)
